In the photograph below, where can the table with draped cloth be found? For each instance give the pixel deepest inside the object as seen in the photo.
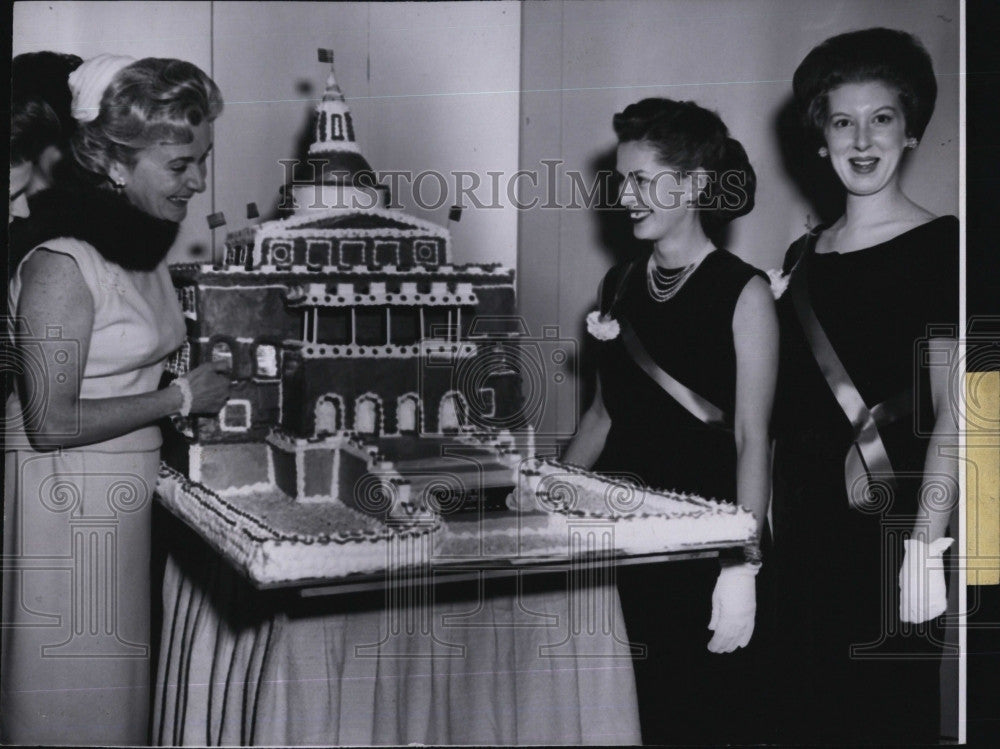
(482, 662)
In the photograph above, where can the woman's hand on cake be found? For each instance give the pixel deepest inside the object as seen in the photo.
(209, 387)
(734, 606)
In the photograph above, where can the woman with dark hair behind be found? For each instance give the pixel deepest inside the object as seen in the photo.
(93, 318)
(706, 319)
(40, 123)
(864, 481)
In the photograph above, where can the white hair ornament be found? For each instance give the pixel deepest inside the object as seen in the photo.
(89, 81)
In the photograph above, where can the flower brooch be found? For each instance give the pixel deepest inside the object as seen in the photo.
(779, 281)
(601, 327)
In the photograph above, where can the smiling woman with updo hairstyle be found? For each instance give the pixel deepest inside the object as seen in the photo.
(96, 317)
(690, 313)
(863, 425)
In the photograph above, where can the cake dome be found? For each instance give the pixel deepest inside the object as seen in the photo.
(336, 176)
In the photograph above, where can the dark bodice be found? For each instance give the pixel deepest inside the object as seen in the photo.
(691, 337)
(877, 306)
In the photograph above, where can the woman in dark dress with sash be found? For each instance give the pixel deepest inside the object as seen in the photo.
(704, 320)
(863, 423)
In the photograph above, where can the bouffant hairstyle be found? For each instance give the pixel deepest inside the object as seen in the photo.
(691, 138)
(33, 127)
(40, 103)
(153, 100)
(893, 57)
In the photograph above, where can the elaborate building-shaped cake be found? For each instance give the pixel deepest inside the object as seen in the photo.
(355, 342)
(376, 392)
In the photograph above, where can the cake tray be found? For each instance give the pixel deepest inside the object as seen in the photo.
(262, 536)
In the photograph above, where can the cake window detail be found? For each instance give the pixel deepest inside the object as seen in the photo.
(235, 416)
(221, 351)
(387, 253)
(336, 127)
(180, 361)
(318, 254)
(236, 254)
(425, 251)
(368, 414)
(266, 361)
(352, 253)
(408, 414)
(437, 323)
(333, 325)
(452, 412)
(370, 326)
(186, 297)
(404, 326)
(329, 414)
(281, 254)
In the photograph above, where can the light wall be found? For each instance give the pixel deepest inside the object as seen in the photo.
(431, 86)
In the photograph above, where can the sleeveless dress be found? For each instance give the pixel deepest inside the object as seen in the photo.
(686, 693)
(853, 672)
(76, 586)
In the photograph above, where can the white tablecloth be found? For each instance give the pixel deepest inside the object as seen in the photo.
(480, 664)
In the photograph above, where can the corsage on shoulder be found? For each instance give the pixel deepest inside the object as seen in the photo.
(779, 281)
(601, 327)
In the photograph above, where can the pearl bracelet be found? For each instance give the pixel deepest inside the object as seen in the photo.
(186, 396)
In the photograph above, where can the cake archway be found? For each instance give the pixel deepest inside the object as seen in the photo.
(329, 414)
(452, 412)
(409, 414)
(265, 358)
(223, 348)
(368, 415)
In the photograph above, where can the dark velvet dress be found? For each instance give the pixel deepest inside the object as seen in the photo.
(850, 671)
(686, 694)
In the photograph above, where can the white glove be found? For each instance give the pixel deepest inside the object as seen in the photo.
(922, 593)
(734, 605)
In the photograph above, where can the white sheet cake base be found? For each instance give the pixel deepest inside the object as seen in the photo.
(276, 541)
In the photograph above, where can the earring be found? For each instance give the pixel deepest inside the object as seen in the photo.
(912, 142)
(118, 185)
(823, 152)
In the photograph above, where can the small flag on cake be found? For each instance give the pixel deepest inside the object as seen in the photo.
(215, 220)
(252, 211)
(325, 55)
(455, 214)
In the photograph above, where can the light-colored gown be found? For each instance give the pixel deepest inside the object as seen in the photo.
(76, 584)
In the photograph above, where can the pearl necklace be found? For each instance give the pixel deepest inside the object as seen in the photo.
(665, 284)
